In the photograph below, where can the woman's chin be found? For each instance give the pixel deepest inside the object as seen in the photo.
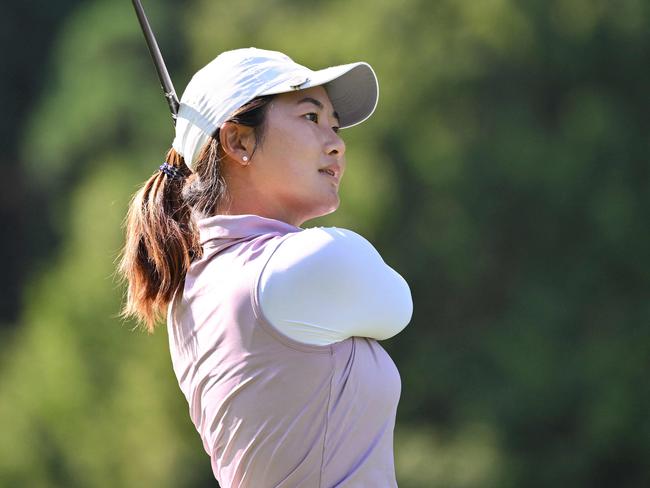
(333, 206)
(325, 209)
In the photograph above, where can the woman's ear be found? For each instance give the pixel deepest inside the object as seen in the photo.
(237, 142)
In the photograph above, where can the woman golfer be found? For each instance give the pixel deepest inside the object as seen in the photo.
(273, 328)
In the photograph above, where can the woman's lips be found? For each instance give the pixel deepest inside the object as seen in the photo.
(330, 173)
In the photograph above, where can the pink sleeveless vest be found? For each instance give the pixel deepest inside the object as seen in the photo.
(271, 411)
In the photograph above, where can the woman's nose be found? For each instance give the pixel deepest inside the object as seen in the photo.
(335, 145)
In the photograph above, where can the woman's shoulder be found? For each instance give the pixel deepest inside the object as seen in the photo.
(322, 242)
(332, 279)
(331, 254)
(327, 234)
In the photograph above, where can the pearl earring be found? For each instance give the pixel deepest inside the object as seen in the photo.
(244, 159)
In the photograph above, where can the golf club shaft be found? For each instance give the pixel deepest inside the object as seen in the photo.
(154, 50)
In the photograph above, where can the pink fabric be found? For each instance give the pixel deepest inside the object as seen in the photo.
(271, 411)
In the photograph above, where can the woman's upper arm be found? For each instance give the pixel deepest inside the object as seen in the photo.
(323, 285)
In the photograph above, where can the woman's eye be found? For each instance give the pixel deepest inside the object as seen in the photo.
(313, 116)
(336, 129)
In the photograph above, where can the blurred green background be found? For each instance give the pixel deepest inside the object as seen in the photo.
(505, 175)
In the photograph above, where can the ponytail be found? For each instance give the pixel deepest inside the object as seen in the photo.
(162, 238)
(161, 242)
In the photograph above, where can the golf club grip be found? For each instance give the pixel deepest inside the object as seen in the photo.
(161, 69)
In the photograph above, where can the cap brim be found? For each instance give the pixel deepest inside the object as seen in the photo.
(353, 90)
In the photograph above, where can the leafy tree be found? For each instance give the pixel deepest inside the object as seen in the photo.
(505, 175)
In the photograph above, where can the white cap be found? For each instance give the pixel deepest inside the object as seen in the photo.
(234, 78)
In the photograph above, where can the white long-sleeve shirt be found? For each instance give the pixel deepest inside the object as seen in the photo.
(324, 285)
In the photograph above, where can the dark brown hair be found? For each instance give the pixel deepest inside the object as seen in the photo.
(162, 238)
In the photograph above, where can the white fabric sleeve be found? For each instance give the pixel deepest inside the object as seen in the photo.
(324, 285)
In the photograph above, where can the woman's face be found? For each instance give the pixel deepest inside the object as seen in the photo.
(295, 170)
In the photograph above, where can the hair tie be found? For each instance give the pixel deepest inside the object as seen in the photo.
(170, 171)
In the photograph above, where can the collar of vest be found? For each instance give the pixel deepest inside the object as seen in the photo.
(241, 226)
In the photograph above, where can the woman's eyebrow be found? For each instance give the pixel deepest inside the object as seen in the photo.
(313, 101)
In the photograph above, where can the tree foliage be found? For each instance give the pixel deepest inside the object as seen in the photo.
(505, 175)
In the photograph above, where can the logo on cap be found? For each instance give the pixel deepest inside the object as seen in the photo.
(298, 81)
